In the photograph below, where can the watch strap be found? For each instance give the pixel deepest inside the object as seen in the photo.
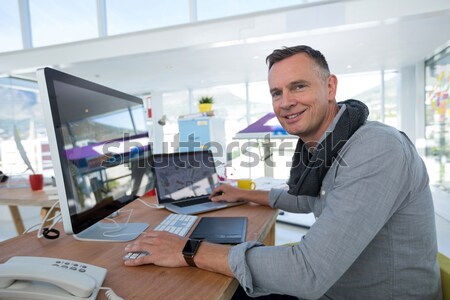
(189, 256)
(190, 260)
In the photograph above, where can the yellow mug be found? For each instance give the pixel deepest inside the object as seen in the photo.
(246, 184)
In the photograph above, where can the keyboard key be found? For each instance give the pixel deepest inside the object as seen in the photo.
(177, 223)
(134, 255)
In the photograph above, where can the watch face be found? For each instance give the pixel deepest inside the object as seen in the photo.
(191, 247)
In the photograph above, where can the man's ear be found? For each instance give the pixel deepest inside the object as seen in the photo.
(332, 87)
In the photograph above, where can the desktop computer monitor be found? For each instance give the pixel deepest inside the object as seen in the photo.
(100, 151)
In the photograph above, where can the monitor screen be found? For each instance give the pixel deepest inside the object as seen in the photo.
(100, 148)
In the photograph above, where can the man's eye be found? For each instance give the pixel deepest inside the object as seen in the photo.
(299, 87)
(275, 95)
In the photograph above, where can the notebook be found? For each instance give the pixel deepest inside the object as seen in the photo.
(221, 230)
(185, 180)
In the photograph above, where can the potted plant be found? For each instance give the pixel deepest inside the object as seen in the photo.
(205, 103)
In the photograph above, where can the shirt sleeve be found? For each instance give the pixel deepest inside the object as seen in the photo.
(281, 199)
(364, 196)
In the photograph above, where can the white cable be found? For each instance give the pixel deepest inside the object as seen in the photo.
(39, 224)
(39, 234)
(109, 233)
(119, 228)
(109, 293)
(151, 205)
(45, 220)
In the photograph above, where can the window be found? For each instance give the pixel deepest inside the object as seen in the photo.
(229, 104)
(21, 117)
(214, 9)
(56, 22)
(260, 100)
(391, 98)
(175, 104)
(10, 33)
(437, 118)
(135, 15)
(366, 87)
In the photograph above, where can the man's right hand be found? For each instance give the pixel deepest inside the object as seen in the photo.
(228, 193)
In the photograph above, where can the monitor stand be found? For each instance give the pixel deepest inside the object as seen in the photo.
(109, 232)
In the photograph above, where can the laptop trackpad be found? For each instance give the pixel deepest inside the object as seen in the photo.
(212, 205)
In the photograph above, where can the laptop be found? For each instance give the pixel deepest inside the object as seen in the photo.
(184, 181)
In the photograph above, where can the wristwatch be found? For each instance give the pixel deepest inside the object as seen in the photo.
(189, 251)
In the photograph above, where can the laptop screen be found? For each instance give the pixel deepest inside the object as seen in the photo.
(184, 175)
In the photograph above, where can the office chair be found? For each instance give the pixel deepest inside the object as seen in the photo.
(444, 266)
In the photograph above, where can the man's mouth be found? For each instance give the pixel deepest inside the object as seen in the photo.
(293, 116)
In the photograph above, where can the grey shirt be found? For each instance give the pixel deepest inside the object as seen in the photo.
(374, 237)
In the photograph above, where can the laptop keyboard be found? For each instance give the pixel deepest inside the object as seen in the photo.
(176, 223)
(192, 202)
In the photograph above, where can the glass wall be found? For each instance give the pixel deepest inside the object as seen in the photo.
(391, 98)
(56, 22)
(214, 9)
(123, 17)
(378, 90)
(22, 121)
(229, 104)
(260, 100)
(175, 104)
(437, 118)
(10, 34)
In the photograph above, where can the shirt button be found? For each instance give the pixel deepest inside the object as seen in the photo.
(323, 193)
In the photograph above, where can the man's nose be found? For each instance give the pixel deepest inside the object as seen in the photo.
(287, 100)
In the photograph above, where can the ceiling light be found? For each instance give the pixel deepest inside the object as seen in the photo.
(349, 66)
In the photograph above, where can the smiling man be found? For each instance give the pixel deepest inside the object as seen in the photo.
(303, 98)
(374, 235)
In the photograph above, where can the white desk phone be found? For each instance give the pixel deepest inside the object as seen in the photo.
(27, 277)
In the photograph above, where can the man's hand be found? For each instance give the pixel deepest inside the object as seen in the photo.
(164, 248)
(226, 192)
(229, 193)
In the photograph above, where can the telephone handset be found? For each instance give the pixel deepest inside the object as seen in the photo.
(27, 277)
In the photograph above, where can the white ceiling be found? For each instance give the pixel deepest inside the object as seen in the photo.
(379, 42)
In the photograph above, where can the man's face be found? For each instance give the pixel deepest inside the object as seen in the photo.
(303, 101)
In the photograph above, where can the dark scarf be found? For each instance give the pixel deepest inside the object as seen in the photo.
(308, 170)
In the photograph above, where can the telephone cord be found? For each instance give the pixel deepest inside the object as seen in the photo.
(109, 293)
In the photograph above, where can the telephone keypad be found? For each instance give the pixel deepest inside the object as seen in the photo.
(70, 265)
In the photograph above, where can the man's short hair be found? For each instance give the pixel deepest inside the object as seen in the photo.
(285, 52)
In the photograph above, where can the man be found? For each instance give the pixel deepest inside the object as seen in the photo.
(374, 237)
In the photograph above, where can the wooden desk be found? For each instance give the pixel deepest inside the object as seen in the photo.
(147, 282)
(14, 197)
